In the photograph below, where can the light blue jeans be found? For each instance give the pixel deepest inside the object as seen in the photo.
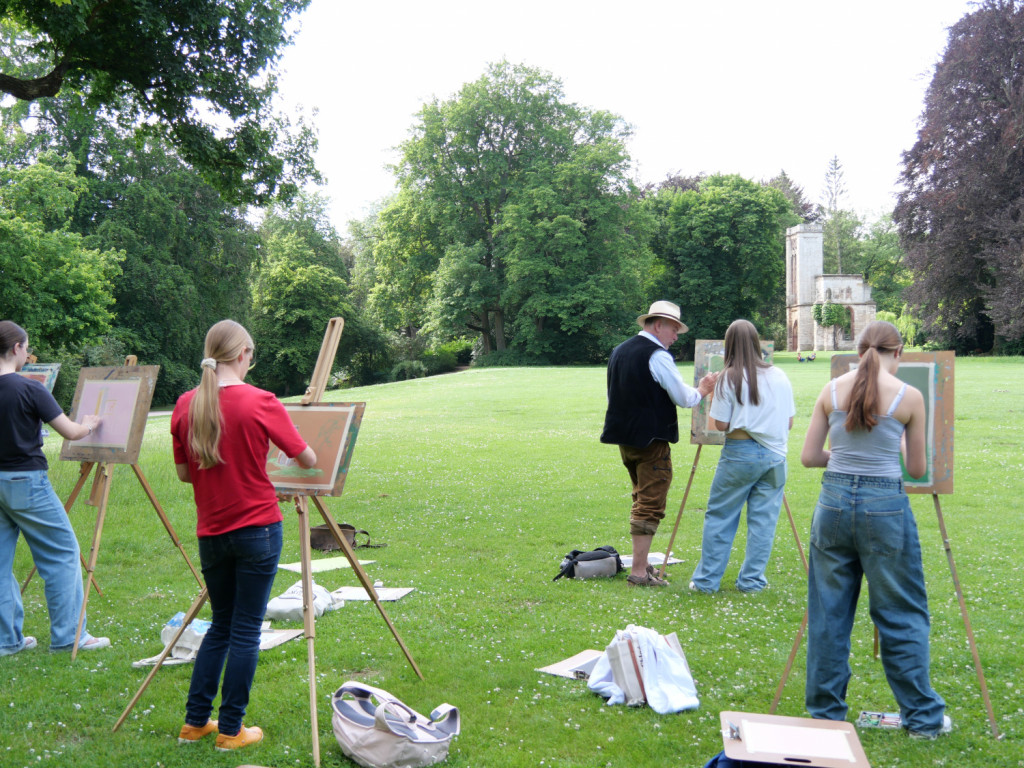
(747, 473)
(863, 526)
(28, 505)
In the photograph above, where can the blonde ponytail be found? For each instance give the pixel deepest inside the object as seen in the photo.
(225, 341)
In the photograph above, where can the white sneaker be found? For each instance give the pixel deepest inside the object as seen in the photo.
(94, 643)
(947, 726)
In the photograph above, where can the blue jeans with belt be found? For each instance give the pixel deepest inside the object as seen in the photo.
(747, 473)
(864, 526)
(28, 505)
(239, 568)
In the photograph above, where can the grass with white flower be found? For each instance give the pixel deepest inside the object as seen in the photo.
(479, 482)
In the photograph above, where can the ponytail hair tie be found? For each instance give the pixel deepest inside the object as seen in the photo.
(209, 362)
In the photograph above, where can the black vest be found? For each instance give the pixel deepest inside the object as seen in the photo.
(639, 409)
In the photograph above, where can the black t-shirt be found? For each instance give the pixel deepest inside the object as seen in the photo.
(25, 405)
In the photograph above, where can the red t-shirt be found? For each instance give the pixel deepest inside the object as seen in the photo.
(237, 492)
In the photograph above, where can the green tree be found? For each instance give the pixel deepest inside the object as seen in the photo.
(200, 73)
(514, 180)
(881, 261)
(725, 250)
(840, 227)
(53, 285)
(188, 256)
(293, 300)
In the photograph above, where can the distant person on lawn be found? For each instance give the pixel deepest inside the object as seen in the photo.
(644, 388)
(221, 434)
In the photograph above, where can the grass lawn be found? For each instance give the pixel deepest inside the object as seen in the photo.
(479, 482)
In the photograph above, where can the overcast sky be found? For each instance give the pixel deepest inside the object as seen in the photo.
(748, 86)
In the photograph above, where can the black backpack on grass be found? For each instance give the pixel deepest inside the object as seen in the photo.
(602, 562)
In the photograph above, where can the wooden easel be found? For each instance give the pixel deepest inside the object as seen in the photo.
(315, 391)
(98, 497)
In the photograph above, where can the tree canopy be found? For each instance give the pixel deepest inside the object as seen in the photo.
(723, 253)
(198, 72)
(961, 212)
(525, 200)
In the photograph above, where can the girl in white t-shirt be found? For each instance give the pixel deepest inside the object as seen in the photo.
(753, 404)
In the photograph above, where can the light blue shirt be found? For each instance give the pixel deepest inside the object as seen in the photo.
(663, 369)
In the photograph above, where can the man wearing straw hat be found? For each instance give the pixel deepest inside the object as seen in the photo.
(644, 388)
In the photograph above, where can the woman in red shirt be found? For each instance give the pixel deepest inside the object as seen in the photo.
(221, 432)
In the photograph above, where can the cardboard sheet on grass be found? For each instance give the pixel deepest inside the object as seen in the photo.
(322, 564)
(655, 559)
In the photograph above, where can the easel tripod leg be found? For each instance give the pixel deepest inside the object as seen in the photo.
(789, 663)
(308, 618)
(364, 579)
(679, 517)
(167, 523)
(966, 618)
(192, 613)
(101, 488)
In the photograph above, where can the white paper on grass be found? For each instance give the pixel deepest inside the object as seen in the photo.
(794, 741)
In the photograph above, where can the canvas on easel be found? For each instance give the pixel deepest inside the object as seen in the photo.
(121, 397)
(44, 373)
(709, 357)
(330, 429)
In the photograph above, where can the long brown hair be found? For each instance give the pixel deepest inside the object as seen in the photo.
(742, 359)
(878, 337)
(225, 341)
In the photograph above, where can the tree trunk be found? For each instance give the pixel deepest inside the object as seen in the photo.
(499, 330)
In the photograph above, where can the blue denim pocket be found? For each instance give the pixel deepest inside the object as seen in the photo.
(885, 523)
(17, 493)
(825, 525)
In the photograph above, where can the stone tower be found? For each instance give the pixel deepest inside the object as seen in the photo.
(807, 286)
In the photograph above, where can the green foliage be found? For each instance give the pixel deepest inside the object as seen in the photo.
(293, 300)
(514, 222)
(509, 358)
(200, 73)
(408, 369)
(438, 361)
(461, 349)
(909, 327)
(828, 315)
(54, 286)
(188, 257)
(724, 247)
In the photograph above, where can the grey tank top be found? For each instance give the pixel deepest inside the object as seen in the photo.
(860, 452)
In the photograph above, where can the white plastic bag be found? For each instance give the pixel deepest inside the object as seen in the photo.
(377, 730)
(641, 665)
(188, 644)
(288, 605)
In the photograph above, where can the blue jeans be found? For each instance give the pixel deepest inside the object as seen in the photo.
(863, 526)
(747, 473)
(28, 505)
(239, 568)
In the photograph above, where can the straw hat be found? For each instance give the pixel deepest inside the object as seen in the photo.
(665, 309)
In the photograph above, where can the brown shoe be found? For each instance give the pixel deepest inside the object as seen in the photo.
(647, 580)
(243, 738)
(190, 734)
(652, 571)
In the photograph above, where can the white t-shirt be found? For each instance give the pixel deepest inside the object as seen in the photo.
(767, 422)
